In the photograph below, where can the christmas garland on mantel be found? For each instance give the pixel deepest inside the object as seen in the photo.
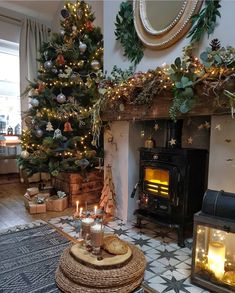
(133, 48)
(215, 73)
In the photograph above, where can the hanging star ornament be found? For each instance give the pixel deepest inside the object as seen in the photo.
(156, 127)
(190, 140)
(218, 127)
(207, 125)
(172, 141)
(200, 127)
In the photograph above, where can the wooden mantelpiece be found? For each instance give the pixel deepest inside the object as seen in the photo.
(159, 109)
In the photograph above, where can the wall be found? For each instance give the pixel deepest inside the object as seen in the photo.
(222, 153)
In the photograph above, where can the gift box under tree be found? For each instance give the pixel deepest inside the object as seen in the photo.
(57, 203)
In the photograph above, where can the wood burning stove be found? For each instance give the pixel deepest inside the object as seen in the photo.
(172, 182)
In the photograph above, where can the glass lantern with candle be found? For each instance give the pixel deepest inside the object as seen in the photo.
(86, 227)
(213, 259)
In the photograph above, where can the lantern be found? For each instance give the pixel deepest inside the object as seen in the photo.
(213, 262)
(60, 59)
(67, 127)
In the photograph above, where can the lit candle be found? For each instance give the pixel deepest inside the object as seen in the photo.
(86, 226)
(95, 210)
(77, 204)
(80, 214)
(216, 258)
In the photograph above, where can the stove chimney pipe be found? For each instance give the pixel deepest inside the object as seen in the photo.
(174, 134)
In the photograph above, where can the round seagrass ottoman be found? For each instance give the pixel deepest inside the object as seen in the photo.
(74, 275)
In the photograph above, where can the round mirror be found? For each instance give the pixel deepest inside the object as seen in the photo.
(159, 23)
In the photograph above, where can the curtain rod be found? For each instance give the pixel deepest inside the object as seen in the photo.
(10, 18)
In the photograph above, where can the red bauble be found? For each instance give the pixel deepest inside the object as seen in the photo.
(67, 127)
(60, 59)
(41, 87)
(89, 26)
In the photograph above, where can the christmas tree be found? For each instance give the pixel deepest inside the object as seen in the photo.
(61, 132)
(107, 199)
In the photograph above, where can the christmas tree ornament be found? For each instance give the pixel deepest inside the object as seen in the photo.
(89, 26)
(60, 60)
(67, 127)
(74, 28)
(24, 154)
(95, 64)
(61, 98)
(54, 70)
(34, 102)
(65, 13)
(45, 55)
(62, 32)
(57, 133)
(49, 126)
(79, 13)
(41, 87)
(39, 132)
(48, 64)
(82, 47)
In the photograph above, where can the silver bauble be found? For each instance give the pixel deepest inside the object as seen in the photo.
(61, 98)
(48, 64)
(62, 32)
(74, 28)
(95, 64)
(34, 102)
(24, 154)
(54, 70)
(39, 133)
(82, 47)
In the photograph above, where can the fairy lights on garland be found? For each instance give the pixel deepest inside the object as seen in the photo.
(214, 73)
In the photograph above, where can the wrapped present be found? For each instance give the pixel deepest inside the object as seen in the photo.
(56, 204)
(32, 191)
(35, 208)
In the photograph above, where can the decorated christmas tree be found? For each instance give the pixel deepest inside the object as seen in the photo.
(107, 199)
(60, 132)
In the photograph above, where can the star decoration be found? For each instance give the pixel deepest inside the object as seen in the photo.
(156, 127)
(207, 125)
(200, 127)
(172, 141)
(190, 140)
(175, 285)
(218, 127)
(141, 242)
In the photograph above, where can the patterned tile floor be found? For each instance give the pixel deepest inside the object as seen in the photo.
(168, 266)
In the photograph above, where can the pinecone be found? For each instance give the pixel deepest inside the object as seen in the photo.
(215, 44)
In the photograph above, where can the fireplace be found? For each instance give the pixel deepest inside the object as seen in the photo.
(172, 182)
(213, 259)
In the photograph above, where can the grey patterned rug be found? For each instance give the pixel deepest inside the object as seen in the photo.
(29, 256)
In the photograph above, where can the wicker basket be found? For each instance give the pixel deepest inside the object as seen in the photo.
(72, 276)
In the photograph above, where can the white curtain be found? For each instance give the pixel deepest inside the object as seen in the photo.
(32, 35)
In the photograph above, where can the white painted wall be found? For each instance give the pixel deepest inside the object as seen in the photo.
(125, 159)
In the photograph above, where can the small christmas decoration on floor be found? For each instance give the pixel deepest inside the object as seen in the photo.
(107, 200)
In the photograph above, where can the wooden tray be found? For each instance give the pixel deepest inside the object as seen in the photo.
(108, 260)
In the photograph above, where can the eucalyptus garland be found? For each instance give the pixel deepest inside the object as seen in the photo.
(205, 21)
(126, 33)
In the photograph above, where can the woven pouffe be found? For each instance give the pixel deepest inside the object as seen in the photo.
(72, 276)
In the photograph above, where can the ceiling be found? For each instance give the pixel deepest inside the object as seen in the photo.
(44, 10)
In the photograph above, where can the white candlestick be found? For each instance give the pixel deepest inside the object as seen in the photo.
(216, 258)
(80, 214)
(95, 210)
(77, 204)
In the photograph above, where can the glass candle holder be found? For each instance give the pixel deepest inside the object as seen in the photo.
(97, 236)
(86, 227)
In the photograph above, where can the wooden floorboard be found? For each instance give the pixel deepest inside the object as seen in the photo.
(12, 209)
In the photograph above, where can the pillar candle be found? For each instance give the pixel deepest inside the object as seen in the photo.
(216, 258)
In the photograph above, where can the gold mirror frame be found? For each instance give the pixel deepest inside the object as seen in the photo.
(169, 35)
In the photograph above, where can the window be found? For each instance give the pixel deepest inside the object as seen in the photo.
(10, 113)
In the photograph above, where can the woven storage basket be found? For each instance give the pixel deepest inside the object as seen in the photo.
(72, 276)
